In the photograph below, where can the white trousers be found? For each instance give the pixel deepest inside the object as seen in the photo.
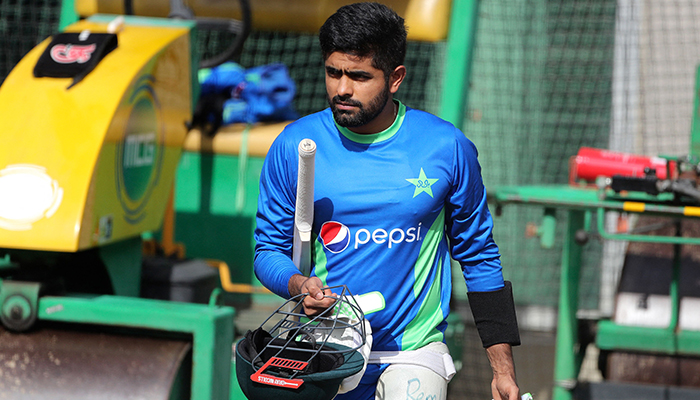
(403, 381)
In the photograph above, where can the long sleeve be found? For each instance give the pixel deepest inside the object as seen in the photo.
(275, 220)
(469, 222)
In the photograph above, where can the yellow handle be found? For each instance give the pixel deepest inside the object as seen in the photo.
(227, 285)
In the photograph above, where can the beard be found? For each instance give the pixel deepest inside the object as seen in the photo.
(365, 112)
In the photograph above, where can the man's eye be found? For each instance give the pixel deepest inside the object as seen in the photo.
(359, 77)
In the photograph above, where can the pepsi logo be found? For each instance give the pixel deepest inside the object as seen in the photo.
(334, 236)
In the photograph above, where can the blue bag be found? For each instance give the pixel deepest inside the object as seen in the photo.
(263, 93)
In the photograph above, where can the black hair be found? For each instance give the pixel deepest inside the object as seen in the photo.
(366, 30)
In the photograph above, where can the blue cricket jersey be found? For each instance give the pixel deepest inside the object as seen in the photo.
(389, 209)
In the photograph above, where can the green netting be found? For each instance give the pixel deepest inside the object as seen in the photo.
(301, 54)
(23, 24)
(540, 89)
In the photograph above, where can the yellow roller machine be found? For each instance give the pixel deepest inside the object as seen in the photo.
(86, 166)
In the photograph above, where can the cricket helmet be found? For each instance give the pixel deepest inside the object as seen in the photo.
(303, 358)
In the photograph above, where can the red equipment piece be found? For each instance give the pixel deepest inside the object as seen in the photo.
(590, 163)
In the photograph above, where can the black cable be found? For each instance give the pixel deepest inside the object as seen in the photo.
(240, 28)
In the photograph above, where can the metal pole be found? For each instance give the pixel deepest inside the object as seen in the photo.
(68, 14)
(567, 358)
(460, 46)
(695, 123)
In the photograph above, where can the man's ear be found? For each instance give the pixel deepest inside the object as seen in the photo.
(396, 78)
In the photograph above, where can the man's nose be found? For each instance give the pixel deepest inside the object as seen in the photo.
(344, 87)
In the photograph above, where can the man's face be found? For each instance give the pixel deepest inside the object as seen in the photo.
(356, 91)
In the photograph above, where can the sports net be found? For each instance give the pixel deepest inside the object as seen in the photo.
(551, 76)
(540, 89)
(23, 24)
(301, 54)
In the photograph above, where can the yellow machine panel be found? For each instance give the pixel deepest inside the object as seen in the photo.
(94, 163)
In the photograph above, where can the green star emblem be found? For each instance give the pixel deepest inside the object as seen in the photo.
(423, 184)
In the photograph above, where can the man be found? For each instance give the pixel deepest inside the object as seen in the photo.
(397, 191)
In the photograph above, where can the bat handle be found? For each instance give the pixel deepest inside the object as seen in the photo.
(304, 208)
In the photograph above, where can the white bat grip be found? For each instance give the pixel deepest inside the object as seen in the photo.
(304, 208)
(305, 184)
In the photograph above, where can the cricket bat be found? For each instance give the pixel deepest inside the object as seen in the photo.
(304, 208)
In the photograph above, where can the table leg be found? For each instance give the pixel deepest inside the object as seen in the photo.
(567, 354)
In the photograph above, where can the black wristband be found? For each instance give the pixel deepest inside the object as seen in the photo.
(494, 315)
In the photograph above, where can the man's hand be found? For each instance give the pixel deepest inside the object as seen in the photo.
(315, 303)
(503, 386)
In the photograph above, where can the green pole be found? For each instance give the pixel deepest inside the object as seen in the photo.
(695, 123)
(650, 208)
(566, 358)
(674, 290)
(460, 45)
(68, 14)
